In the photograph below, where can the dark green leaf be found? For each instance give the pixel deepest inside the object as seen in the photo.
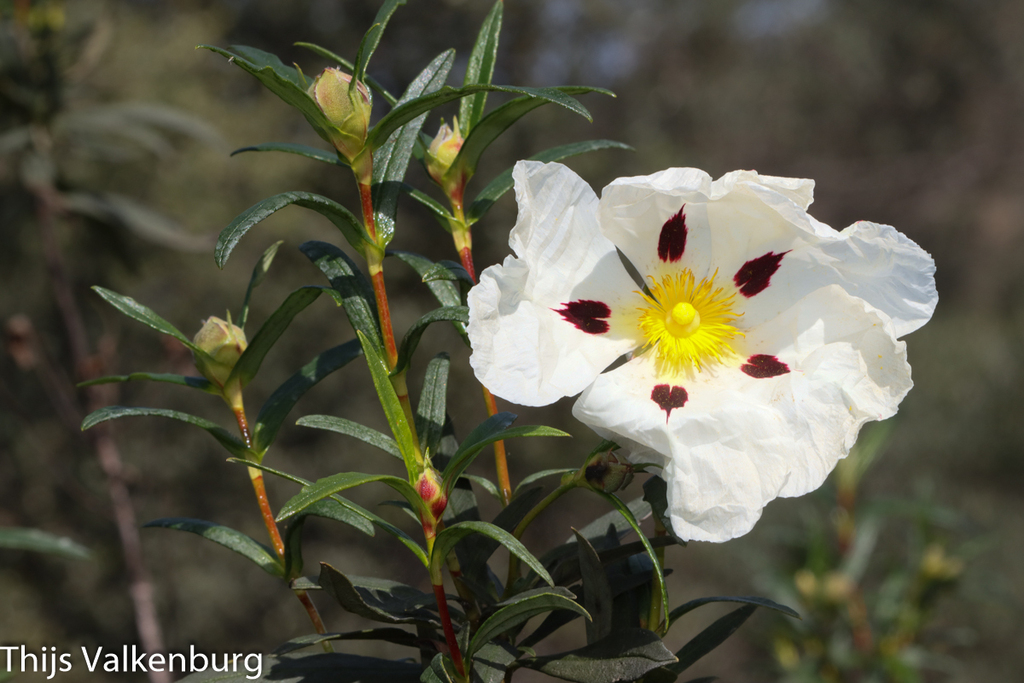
(480, 68)
(441, 670)
(503, 182)
(194, 382)
(430, 411)
(351, 228)
(144, 315)
(446, 540)
(368, 80)
(370, 40)
(520, 609)
(249, 362)
(41, 542)
(746, 599)
(388, 635)
(491, 662)
(448, 270)
(280, 403)
(530, 478)
(453, 314)
(350, 428)
(486, 484)
(597, 594)
(259, 272)
(400, 427)
(710, 638)
(446, 293)
(476, 550)
(314, 668)
(623, 656)
(230, 442)
(404, 113)
(381, 600)
(302, 150)
(435, 207)
(391, 159)
(227, 537)
(328, 486)
(349, 281)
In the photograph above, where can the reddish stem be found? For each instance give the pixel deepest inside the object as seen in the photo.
(449, 632)
(500, 461)
(265, 511)
(384, 314)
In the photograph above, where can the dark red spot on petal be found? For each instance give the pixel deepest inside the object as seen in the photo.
(586, 315)
(672, 241)
(762, 365)
(756, 274)
(669, 397)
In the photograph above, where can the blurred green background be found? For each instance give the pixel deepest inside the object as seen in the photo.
(908, 113)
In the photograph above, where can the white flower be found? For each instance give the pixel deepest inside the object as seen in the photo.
(763, 342)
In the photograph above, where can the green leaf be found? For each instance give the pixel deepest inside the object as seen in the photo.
(486, 484)
(193, 382)
(396, 636)
(380, 600)
(226, 439)
(476, 550)
(497, 122)
(280, 403)
(597, 594)
(746, 599)
(631, 519)
(368, 80)
(146, 316)
(710, 638)
(302, 150)
(351, 228)
(520, 609)
(530, 478)
(328, 486)
(448, 270)
(227, 537)
(435, 207)
(249, 362)
(440, 670)
(503, 182)
(341, 425)
(446, 292)
(487, 432)
(391, 160)
(430, 411)
(17, 538)
(315, 668)
(259, 272)
(454, 314)
(446, 540)
(404, 113)
(623, 656)
(491, 662)
(480, 68)
(400, 427)
(346, 279)
(370, 40)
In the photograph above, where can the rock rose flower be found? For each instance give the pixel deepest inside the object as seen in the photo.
(757, 339)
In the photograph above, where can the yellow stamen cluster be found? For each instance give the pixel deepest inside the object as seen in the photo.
(686, 323)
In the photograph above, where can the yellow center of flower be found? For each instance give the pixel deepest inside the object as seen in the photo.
(688, 323)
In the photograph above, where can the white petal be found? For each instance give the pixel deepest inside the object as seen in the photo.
(740, 441)
(524, 350)
(634, 211)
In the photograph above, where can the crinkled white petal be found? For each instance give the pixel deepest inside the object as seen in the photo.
(741, 441)
(523, 349)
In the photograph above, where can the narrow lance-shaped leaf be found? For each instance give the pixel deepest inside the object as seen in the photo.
(431, 410)
(259, 272)
(39, 541)
(346, 279)
(229, 441)
(503, 182)
(368, 45)
(341, 425)
(521, 608)
(453, 314)
(328, 486)
(391, 159)
(183, 380)
(399, 424)
(687, 607)
(446, 292)
(623, 656)
(368, 79)
(227, 537)
(393, 635)
(446, 540)
(145, 315)
(351, 228)
(480, 68)
(249, 362)
(597, 594)
(437, 210)
(381, 600)
(314, 153)
(710, 638)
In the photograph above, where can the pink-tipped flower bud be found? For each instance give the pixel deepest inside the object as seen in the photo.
(224, 342)
(431, 493)
(607, 473)
(346, 109)
(443, 150)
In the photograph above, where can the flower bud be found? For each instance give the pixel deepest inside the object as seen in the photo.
(607, 473)
(431, 493)
(224, 342)
(937, 566)
(347, 110)
(443, 150)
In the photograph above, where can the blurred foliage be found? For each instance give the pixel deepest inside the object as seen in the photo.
(907, 113)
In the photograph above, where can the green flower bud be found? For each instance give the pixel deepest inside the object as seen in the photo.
(443, 150)
(224, 342)
(347, 110)
(607, 473)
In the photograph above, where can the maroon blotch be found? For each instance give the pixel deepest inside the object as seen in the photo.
(762, 365)
(672, 241)
(586, 315)
(669, 397)
(756, 274)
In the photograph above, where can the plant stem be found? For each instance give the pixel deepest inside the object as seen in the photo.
(268, 515)
(500, 460)
(449, 631)
(314, 616)
(654, 616)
